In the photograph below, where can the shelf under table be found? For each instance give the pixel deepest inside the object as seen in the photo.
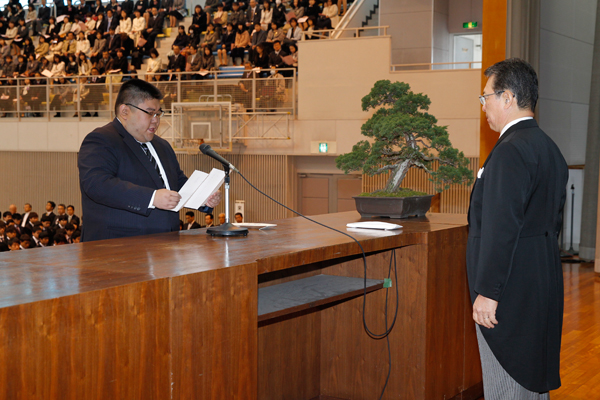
(289, 297)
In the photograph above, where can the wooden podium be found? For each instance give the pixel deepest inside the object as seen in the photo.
(275, 315)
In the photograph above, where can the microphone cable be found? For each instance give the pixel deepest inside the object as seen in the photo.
(373, 335)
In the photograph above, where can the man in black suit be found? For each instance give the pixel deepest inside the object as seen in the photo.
(27, 209)
(258, 37)
(513, 263)
(253, 14)
(155, 27)
(276, 56)
(176, 62)
(190, 220)
(71, 217)
(43, 18)
(50, 206)
(129, 177)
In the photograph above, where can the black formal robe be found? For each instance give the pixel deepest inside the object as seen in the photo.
(515, 216)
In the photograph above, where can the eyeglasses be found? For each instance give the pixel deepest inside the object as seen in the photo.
(158, 114)
(482, 98)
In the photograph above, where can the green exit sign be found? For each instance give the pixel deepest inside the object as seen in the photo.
(322, 147)
(470, 25)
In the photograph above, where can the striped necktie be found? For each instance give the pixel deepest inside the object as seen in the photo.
(152, 161)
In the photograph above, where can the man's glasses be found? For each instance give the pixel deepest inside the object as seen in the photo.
(482, 98)
(158, 114)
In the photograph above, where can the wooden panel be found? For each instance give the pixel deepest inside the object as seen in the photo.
(315, 188)
(344, 205)
(493, 48)
(314, 206)
(448, 316)
(37, 177)
(214, 330)
(353, 365)
(289, 361)
(111, 344)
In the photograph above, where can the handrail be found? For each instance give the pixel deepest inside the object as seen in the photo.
(329, 34)
(431, 66)
(13, 88)
(350, 15)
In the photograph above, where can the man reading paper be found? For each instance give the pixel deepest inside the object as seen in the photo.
(129, 177)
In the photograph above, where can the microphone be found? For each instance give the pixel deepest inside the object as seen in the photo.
(206, 149)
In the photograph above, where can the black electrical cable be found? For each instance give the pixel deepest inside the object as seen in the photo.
(369, 332)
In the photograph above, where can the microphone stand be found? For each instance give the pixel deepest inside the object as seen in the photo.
(227, 229)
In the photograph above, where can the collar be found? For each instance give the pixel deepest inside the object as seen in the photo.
(513, 122)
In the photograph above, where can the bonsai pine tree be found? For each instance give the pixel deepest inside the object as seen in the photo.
(403, 135)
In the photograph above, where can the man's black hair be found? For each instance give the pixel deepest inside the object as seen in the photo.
(53, 204)
(517, 76)
(211, 216)
(136, 91)
(63, 217)
(6, 214)
(17, 217)
(189, 213)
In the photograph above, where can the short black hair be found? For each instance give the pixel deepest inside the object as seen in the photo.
(59, 238)
(69, 227)
(519, 77)
(6, 214)
(44, 234)
(63, 217)
(33, 214)
(25, 238)
(13, 241)
(53, 204)
(62, 205)
(17, 217)
(46, 218)
(189, 213)
(76, 234)
(36, 228)
(136, 91)
(240, 214)
(211, 216)
(71, 206)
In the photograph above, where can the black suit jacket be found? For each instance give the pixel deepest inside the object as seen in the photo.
(515, 216)
(195, 225)
(43, 13)
(257, 15)
(277, 59)
(176, 62)
(117, 182)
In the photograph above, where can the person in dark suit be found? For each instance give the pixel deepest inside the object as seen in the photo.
(155, 27)
(176, 62)
(71, 215)
(253, 14)
(513, 262)
(129, 177)
(276, 56)
(43, 18)
(190, 221)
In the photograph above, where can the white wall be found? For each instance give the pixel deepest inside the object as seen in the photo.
(336, 114)
(566, 48)
(410, 23)
(462, 11)
(441, 35)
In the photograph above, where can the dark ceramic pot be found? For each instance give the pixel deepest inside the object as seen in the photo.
(393, 207)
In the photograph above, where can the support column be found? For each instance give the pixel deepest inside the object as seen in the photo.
(589, 212)
(493, 28)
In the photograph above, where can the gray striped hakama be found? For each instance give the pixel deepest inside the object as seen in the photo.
(497, 383)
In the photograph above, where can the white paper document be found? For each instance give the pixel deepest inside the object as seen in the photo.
(198, 188)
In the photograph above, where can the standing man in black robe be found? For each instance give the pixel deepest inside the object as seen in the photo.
(513, 262)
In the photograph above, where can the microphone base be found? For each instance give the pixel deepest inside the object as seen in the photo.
(227, 229)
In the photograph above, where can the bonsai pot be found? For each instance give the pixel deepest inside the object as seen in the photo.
(393, 207)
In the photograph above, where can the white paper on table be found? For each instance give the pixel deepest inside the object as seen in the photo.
(192, 184)
(207, 188)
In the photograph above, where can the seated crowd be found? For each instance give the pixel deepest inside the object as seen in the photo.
(30, 230)
(99, 42)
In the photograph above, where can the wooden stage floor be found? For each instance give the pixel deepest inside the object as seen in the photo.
(580, 355)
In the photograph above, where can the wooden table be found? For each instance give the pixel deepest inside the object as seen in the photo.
(176, 316)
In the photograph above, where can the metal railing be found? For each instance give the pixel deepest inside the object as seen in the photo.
(354, 17)
(352, 33)
(436, 66)
(51, 97)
